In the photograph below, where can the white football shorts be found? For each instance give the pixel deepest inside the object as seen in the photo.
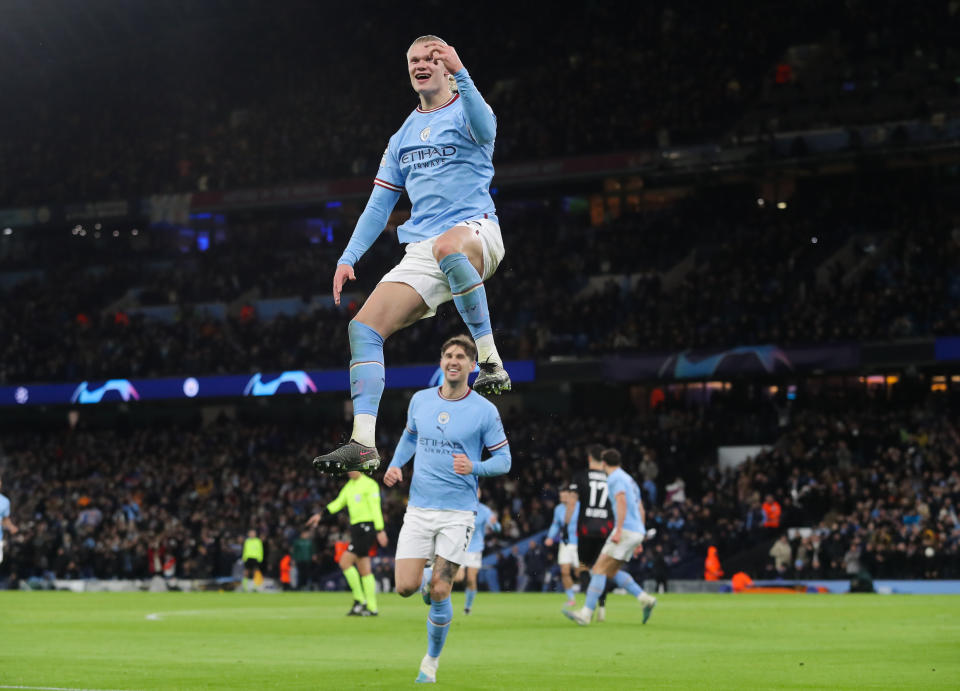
(623, 551)
(427, 533)
(421, 271)
(567, 554)
(1, 551)
(472, 560)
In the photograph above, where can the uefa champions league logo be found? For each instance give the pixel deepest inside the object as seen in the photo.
(123, 387)
(682, 366)
(257, 387)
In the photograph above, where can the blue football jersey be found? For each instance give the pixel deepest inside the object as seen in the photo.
(442, 428)
(445, 172)
(4, 512)
(484, 514)
(562, 528)
(618, 481)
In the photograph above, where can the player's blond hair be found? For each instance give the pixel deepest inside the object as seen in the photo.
(428, 38)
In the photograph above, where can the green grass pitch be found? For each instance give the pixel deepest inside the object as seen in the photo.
(304, 641)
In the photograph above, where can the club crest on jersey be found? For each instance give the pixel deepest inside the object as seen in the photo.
(425, 134)
(443, 418)
(357, 497)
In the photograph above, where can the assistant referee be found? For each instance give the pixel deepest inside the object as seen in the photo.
(361, 496)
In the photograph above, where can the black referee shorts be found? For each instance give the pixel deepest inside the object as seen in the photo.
(588, 548)
(362, 537)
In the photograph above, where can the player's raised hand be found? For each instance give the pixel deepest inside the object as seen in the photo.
(461, 464)
(314, 519)
(445, 54)
(343, 274)
(392, 477)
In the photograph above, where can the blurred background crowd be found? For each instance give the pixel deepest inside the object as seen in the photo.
(819, 207)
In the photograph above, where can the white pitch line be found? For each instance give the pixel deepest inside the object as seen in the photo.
(225, 614)
(51, 688)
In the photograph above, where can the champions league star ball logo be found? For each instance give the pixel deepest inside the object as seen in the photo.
(424, 134)
(443, 418)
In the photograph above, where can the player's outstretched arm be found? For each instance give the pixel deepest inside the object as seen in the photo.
(369, 226)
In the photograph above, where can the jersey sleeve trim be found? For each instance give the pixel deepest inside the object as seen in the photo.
(498, 446)
(388, 185)
(366, 362)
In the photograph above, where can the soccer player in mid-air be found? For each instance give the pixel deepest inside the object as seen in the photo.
(564, 526)
(361, 496)
(624, 542)
(447, 429)
(473, 560)
(442, 156)
(5, 521)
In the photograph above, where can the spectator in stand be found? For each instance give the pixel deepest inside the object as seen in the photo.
(675, 492)
(782, 554)
(771, 513)
(649, 471)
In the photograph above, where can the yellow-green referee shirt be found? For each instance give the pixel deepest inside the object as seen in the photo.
(362, 499)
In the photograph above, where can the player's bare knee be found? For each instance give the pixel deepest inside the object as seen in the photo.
(439, 590)
(445, 246)
(407, 589)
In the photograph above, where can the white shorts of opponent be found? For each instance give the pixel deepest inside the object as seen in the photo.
(567, 554)
(472, 560)
(623, 550)
(429, 533)
(420, 270)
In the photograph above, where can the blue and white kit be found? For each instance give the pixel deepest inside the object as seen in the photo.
(443, 159)
(443, 505)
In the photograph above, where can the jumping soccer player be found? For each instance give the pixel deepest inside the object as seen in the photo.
(595, 519)
(442, 156)
(564, 526)
(361, 496)
(447, 428)
(5, 521)
(473, 559)
(625, 541)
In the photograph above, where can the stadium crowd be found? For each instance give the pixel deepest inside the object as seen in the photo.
(758, 275)
(876, 486)
(207, 112)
